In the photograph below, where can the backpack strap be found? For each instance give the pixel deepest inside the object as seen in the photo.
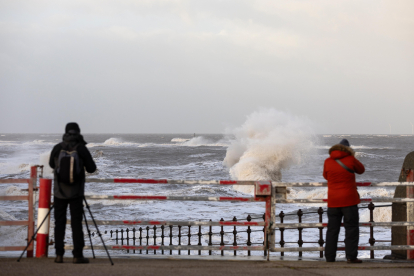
(344, 166)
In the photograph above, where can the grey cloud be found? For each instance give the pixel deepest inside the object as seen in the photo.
(198, 66)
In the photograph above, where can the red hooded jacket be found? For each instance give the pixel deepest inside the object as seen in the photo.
(342, 189)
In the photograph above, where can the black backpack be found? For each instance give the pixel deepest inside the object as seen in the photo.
(68, 166)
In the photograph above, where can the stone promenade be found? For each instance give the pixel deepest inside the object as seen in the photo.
(200, 267)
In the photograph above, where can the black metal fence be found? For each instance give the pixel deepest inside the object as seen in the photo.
(148, 235)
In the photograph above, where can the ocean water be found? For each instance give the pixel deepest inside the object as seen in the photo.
(207, 157)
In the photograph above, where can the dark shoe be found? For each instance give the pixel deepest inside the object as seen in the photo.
(81, 260)
(354, 261)
(330, 261)
(59, 259)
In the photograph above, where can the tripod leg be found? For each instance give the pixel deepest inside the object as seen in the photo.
(97, 229)
(34, 235)
(89, 233)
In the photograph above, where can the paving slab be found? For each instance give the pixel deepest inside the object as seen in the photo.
(146, 266)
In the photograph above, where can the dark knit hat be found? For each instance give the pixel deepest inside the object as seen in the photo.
(72, 126)
(344, 142)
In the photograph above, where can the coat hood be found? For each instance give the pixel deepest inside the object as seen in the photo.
(344, 150)
(71, 140)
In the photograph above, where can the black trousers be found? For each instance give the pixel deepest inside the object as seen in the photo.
(351, 223)
(76, 214)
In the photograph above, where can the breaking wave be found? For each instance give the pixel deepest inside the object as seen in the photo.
(117, 142)
(175, 142)
(268, 142)
(201, 141)
(179, 140)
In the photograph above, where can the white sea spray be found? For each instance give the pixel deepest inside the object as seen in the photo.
(268, 142)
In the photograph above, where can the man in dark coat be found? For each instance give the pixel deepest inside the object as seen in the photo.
(343, 199)
(72, 195)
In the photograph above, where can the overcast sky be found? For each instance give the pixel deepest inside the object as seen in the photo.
(157, 66)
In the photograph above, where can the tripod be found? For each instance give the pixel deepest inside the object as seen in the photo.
(87, 227)
(35, 233)
(97, 230)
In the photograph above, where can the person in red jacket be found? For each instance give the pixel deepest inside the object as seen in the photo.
(343, 199)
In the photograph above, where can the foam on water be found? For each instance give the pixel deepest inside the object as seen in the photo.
(11, 190)
(381, 214)
(13, 168)
(371, 155)
(38, 142)
(202, 141)
(175, 142)
(179, 140)
(117, 142)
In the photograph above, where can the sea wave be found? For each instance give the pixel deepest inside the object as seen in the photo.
(113, 142)
(176, 142)
(360, 154)
(179, 140)
(8, 143)
(38, 142)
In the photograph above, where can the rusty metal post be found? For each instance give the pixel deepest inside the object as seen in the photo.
(282, 230)
(222, 237)
(300, 241)
(210, 234)
(321, 241)
(199, 238)
(179, 238)
(189, 237)
(249, 231)
(162, 238)
(235, 236)
(155, 238)
(410, 215)
(371, 241)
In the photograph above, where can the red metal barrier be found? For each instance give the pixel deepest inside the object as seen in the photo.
(265, 191)
(42, 239)
(30, 221)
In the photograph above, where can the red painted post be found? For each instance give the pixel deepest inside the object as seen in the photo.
(265, 190)
(42, 239)
(30, 229)
(410, 215)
